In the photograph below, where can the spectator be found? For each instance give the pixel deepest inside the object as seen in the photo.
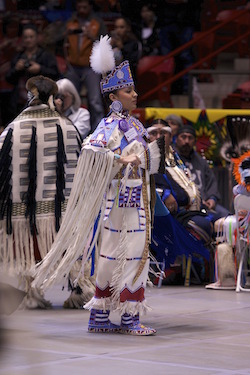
(180, 195)
(129, 46)
(201, 174)
(147, 32)
(172, 234)
(31, 61)
(83, 29)
(68, 103)
(175, 123)
(116, 44)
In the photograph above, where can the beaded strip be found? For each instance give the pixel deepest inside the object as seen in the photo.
(128, 231)
(112, 258)
(118, 176)
(46, 207)
(37, 113)
(175, 163)
(147, 159)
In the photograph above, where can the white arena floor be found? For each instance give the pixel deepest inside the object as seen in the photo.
(199, 332)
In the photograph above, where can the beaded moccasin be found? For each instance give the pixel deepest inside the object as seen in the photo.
(130, 325)
(99, 322)
(106, 327)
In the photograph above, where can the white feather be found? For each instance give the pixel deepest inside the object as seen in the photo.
(102, 58)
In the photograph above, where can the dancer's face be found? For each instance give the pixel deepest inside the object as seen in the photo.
(127, 96)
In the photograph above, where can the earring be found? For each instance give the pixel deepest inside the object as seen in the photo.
(116, 106)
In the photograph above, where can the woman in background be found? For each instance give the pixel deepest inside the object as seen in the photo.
(68, 103)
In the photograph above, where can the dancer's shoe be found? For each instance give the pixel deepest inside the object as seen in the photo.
(130, 325)
(99, 322)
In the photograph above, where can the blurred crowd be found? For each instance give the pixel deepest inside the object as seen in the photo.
(54, 38)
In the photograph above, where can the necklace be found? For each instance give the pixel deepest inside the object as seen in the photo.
(179, 172)
(124, 114)
(170, 160)
(123, 123)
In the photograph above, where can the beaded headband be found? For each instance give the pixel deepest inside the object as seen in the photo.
(102, 61)
(119, 78)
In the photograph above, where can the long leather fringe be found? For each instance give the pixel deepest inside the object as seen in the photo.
(93, 174)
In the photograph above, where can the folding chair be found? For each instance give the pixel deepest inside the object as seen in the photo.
(242, 202)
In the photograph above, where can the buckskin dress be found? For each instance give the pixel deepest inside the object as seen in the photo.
(122, 195)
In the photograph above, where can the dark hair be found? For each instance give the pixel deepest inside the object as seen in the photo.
(44, 85)
(30, 26)
(159, 121)
(130, 34)
(107, 100)
(44, 89)
(85, 1)
(59, 96)
(186, 129)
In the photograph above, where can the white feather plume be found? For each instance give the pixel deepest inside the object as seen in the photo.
(102, 58)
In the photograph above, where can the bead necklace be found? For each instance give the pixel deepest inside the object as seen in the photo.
(176, 167)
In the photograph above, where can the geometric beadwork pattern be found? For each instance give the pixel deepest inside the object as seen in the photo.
(131, 197)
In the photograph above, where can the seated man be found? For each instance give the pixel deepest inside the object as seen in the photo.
(181, 196)
(201, 174)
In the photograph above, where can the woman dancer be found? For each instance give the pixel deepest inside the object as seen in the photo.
(113, 182)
